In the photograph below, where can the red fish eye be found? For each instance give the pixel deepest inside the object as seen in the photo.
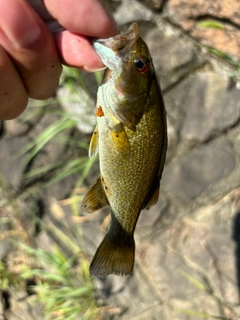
(141, 65)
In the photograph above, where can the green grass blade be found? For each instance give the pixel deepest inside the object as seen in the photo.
(43, 169)
(202, 315)
(76, 165)
(195, 282)
(47, 135)
(63, 238)
(210, 24)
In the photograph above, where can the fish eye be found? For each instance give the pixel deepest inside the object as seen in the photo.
(141, 65)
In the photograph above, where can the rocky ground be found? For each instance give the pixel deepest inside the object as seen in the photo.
(188, 245)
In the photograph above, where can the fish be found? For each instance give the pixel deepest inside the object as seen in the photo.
(131, 140)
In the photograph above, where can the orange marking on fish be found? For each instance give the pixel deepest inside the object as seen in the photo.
(99, 112)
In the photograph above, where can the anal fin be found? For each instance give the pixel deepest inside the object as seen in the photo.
(95, 199)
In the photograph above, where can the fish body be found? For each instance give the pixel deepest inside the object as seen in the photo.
(131, 139)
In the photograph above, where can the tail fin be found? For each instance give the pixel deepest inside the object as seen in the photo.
(115, 255)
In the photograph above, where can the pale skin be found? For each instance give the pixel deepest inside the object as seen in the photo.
(37, 37)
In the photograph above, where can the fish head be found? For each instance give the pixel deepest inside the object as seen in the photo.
(130, 72)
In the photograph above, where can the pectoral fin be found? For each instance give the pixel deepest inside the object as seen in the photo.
(93, 147)
(153, 198)
(95, 199)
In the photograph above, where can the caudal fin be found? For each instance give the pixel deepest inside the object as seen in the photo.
(115, 255)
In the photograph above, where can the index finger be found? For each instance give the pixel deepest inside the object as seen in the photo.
(86, 17)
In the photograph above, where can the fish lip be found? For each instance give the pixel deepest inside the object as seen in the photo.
(108, 56)
(119, 41)
(115, 49)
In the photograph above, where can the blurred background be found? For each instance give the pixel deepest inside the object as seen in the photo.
(188, 245)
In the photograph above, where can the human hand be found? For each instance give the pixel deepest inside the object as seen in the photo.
(35, 40)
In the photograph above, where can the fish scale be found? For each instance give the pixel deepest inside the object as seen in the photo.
(131, 139)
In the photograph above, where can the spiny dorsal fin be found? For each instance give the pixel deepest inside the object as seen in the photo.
(93, 147)
(95, 199)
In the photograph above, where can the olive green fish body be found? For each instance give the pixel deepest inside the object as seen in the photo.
(131, 140)
(129, 163)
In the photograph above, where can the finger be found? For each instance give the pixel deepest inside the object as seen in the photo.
(86, 17)
(31, 47)
(13, 95)
(76, 50)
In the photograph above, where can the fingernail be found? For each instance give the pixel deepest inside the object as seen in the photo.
(86, 69)
(21, 33)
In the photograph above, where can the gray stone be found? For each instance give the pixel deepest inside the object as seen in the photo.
(149, 217)
(172, 136)
(27, 121)
(24, 309)
(5, 241)
(11, 164)
(195, 172)
(189, 267)
(187, 254)
(154, 4)
(172, 57)
(212, 106)
(130, 11)
(15, 127)
(176, 102)
(54, 151)
(44, 241)
(80, 107)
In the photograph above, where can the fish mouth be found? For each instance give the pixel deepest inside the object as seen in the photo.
(114, 50)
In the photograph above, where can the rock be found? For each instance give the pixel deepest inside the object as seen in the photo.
(187, 263)
(25, 309)
(154, 4)
(172, 57)
(133, 10)
(44, 241)
(225, 13)
(186, 268)
(182, 9)
(194, 173)
(55, 151)
(80, 108)
(15, 128)
(28, 120)
(172, 134)
(5, 241)
(11, 164)
(212, 106)
(149, 217)
(111, 5)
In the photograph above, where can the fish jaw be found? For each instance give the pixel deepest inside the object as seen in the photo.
(108, 56)
(115, 49)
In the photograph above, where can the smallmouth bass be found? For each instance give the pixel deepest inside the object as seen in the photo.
(131, 139)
